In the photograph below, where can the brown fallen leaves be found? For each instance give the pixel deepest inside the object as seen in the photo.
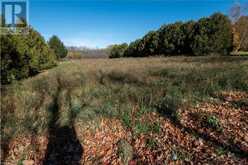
(100, 141)
(29, 150)
(210, 133)
(233, 122)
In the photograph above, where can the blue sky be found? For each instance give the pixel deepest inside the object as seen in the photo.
(99, 23)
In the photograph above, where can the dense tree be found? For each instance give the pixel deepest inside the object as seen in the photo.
(24, 55)
(151, 44)
(212, 35)
(221, 36)
(133, 49)
(188, 30)
(175, 38)
(201, 42)
(58, 47)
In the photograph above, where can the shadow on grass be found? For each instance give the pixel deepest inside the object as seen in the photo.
(171, 114)
(63, 146)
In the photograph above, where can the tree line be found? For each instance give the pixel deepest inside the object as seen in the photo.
(25, 55)
(208, 35)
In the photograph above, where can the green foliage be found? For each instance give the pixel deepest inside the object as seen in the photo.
(240, 53)
(117, 51)
(155, 127)
(151, 143)
(141, 128)
(211, 35)
(221, 151)
(144, 47)
(151, 43)
(199, 83)
(172, 38)
(133, 49)
(169, 105)
(126, 119)
(208, 120)
(27, 107)
(24, 55)
(143, 110)
(213, 122)
(58, 47)
(146, 127)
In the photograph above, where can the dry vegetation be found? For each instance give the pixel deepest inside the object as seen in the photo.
(179, 110)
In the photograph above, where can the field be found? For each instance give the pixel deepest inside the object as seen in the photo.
(241, 53)
(174, 110)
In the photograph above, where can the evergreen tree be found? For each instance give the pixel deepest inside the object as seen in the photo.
(24, 55)
(212, 35)
(117, 51)
(58, 47)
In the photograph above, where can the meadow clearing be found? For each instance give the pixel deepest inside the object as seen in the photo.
(167, 110)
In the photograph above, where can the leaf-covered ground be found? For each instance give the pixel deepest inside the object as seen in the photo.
(150, 111)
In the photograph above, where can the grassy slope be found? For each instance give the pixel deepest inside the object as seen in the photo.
(145, 95)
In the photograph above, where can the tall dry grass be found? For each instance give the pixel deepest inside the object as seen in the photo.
(111, 88)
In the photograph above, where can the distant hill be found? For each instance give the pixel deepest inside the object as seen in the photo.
(85, 52)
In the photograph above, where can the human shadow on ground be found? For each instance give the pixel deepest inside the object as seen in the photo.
(63, 147)
(232, 147)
